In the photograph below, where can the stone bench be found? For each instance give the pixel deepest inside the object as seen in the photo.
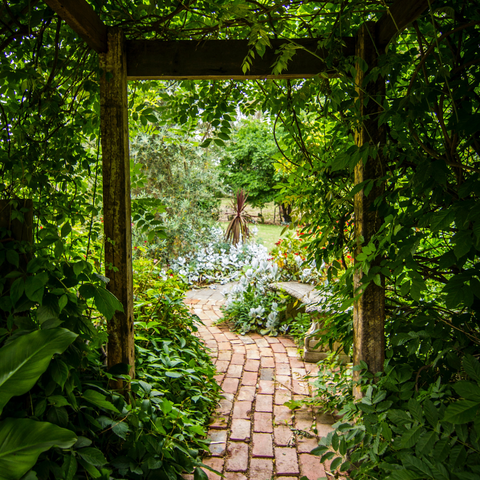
(313, 302)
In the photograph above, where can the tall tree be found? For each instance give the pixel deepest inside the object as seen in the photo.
(249, 161)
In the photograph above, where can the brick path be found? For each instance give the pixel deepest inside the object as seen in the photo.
(254, 436)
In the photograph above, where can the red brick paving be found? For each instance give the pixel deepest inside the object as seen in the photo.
(258, 375)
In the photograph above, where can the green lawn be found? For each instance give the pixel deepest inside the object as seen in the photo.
(267, 234)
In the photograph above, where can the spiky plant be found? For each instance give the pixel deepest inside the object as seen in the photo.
(238, 227)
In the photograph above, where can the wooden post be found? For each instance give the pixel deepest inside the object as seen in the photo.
(116, 199)
(369, 310)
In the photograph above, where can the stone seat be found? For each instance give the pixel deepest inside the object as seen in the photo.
(313, 302)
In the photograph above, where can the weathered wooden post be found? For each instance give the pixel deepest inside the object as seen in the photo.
(369, 309)
(116, 198)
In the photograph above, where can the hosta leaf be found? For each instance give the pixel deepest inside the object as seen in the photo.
(23, 360)
(23, 440)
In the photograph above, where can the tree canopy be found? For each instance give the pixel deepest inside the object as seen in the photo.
(248, 161)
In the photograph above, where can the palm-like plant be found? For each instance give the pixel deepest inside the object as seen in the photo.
(238, 227)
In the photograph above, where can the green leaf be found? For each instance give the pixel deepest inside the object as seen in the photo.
(426, 443)
(121, 429)
(468, 390)
(442, 220)
(69, 467)
(99, 400)
(91, 470)
(199, 474)
(415, 409)
(463, 411)
(62, 302)
(405, 475)
(23, 360)
(34, 287)
(93, 456)
(472, 367)
(463, 243)
(46, 313)
(58, 401)
(16, 290)
(13, 258)
(336, 463)
(106, 303)
(23, 440)
(431, 413)
(410, 437)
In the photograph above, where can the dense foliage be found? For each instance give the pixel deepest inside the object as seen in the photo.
(248, 161)
(185, 181)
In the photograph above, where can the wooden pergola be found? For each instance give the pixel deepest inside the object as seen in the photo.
(122, 60)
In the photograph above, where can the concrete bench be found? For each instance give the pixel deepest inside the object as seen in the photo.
(314, 303)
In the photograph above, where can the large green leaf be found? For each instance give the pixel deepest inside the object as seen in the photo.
(106, 302)
(463, 411)
(23, 440)
(27, 357)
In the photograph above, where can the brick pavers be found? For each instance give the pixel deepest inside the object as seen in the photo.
(253, 435)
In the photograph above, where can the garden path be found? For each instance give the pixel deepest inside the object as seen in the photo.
(254, 436)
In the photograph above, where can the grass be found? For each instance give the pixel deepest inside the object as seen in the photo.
(267, 234)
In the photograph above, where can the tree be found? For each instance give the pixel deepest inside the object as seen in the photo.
(249, 161)
(184, 179)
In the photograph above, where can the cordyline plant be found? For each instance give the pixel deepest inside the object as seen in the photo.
(238, 227)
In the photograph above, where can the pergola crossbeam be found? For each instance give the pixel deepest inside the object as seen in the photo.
(223, 59)
(81, 17)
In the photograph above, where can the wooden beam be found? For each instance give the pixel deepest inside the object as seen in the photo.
(398, 17)
(81, 17)
(222, 59)
(116, 198)
(369, 309)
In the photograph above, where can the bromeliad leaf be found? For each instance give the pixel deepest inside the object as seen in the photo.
(27, 357)
(23, 440)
